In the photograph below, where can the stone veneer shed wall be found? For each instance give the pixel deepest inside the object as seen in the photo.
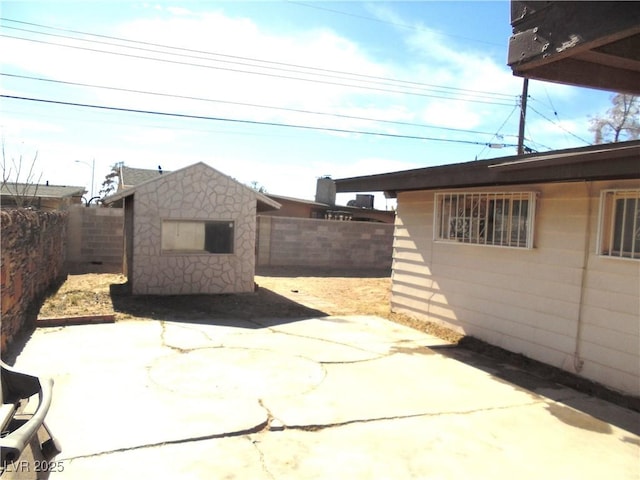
(197, 192)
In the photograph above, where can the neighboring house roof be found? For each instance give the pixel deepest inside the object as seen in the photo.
(591, 45)
(297, 200)
(359, 212)
(264, 202)
(135, 176)
(41, 191)
(597, 162)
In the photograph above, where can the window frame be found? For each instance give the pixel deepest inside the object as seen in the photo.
(607, 229)
(483, 224)
(204, 223)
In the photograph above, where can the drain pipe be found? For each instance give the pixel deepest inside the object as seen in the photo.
(578, 363)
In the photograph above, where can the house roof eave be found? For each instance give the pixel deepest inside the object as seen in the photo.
(568, 43)
(54, 192)
(613, 161)
(265, 203)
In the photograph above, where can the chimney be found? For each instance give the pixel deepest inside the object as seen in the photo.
(364, 201)
(326, 191)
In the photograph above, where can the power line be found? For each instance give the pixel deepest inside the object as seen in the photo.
(395, 24)
(551, 106)
(235, 120)
(171, 128)
(418, 86)
(410, 84)
(560, 126)
(531, 141)
(253, 73)
(497, 134)
(253, 105)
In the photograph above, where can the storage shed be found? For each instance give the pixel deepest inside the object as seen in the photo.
(190, 231)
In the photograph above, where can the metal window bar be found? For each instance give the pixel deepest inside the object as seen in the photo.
(494, 203)
(620, 224)
(612, 222)
(464, 216)
(479, 219)
(443, 223)
(493, 218)
(506, 212)
(635, 232)
(623, 224)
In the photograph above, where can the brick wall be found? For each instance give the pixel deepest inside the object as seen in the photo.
(323, 243)
(95, 242)
(33, 252)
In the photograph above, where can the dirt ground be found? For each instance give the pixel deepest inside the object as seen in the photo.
(288, 293)
(282, 292)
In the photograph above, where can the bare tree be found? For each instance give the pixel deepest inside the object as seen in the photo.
(110, 183)
(23, 192)
(620, 122)
(257, 187)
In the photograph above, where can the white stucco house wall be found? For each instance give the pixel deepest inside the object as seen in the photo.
(538, 254)
(190, 231)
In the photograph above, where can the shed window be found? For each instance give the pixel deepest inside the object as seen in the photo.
(619, 224)
(197, 237)
(497, 219)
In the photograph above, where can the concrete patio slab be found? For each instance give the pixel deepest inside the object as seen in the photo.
(333, 397)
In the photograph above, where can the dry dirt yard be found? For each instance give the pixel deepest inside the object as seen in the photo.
(280, 293)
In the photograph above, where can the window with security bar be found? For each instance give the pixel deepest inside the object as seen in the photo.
(495, 219)
(619, 233)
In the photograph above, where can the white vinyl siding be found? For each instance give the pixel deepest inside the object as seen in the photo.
(546, 302)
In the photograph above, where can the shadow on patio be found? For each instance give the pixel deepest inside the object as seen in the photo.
(325, 272)
(542, 379)
(219, 309)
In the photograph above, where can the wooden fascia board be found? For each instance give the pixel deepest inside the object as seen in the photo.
(623, 168)
(564, 29)
(586, 74)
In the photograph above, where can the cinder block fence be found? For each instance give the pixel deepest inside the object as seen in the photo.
(95, 240)
(310, 242)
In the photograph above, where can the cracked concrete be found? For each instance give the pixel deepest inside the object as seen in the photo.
(334, 397)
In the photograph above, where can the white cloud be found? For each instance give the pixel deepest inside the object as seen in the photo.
(11, 126)
(449, 114)
(146, 141)
(218, 78)
(179, 11)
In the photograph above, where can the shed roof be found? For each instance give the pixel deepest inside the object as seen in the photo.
(598, 162)
(264, 202)
(296, 200)
(42, 191)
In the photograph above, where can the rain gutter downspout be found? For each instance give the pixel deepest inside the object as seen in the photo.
(578, 363)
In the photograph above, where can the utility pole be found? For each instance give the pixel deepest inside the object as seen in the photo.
(523, 115)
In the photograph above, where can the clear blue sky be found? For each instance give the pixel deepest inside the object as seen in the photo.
(433, 70)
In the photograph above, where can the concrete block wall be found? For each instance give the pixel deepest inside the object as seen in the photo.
(96, 241)
(33, 250)
(308, 242)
